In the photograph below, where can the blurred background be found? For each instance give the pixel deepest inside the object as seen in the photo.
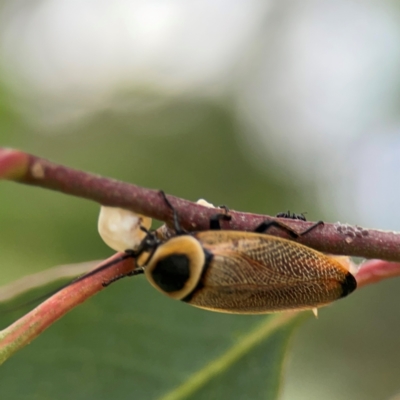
(264, 106)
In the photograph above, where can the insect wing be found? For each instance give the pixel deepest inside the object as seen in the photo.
(256, 273)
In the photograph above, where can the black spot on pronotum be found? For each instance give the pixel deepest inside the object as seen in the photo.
(172, 272)
(348, 285)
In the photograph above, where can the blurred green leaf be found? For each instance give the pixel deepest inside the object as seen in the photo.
(132, 342)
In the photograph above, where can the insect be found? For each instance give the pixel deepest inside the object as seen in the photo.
(290, 215)
(241, 272)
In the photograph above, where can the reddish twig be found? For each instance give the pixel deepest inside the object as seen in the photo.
(31, 325)
(374, 271)
(42, 278)
(24, 168)
(330, 238)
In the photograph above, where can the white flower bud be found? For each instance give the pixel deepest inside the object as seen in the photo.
(120, 229)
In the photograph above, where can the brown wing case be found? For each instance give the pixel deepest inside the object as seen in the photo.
(256, 273)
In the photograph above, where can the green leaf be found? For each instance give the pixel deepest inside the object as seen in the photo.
(250, 369)
(132, 342)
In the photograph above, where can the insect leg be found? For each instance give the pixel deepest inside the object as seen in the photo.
(264, 226)
(312, 227)
(177, 226)
(214, 221)
(225, 208)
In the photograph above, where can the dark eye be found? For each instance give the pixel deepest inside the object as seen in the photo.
(172, 272)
